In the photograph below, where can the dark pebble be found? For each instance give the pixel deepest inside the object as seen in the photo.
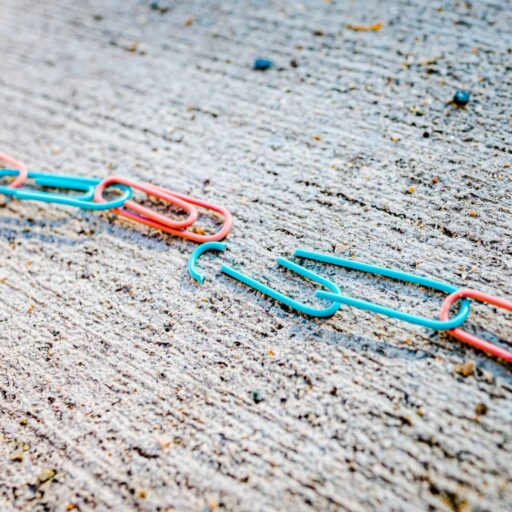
(257, 397)
(262, 64)
(461, 98)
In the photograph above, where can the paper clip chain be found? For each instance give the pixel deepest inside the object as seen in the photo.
(464, 336)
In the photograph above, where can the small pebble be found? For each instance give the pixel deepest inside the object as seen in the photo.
(45, 475)
(411, 190)
(17, 456)
(461, 98)
(257, 397)
(466, 369)
(481, 409)
(262, 64)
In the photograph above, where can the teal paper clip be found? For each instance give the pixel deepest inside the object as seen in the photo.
(439, 325)
(308, 310)
(201, 249)
(86, 185)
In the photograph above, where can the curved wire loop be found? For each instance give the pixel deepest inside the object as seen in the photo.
(280, 297)
(464, 336)
(21, 167)
(86, 185)
(201, 249)
(190, 235)
(457, 320)
(145, 215)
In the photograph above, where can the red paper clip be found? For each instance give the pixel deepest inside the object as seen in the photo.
(18, 165)
(190, 235)
(462, 335)
(147, 215)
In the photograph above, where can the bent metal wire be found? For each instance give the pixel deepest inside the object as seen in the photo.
(464, 336)
(190, 235)
(82, 184)
(439, 325)
(267, 290)
(145, 214)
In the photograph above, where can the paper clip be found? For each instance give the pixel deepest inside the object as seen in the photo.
(146, 215)
(457, 320)
(304, 272)
(22, 168)
(464, 336)
(201, 249)
(84, 201)
(190, 235)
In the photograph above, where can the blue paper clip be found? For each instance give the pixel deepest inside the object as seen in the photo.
(192, 261)
(457, 320)
(308, 310)
(86, 185)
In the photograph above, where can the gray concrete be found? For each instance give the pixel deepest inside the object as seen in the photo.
(126, 386)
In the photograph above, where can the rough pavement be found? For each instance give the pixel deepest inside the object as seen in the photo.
(126, 386)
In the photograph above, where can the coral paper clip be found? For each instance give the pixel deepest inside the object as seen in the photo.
(457, 320)
(144, 215)
(464, 336)
(190, 235)
(22, 168)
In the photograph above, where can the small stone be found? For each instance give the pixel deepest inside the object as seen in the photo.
(45, 475)
(132, 47)
(176, 136)
(395, 138)
(294, 63)
(420, 411)
(411, 190)
(435, 179)
(466, 369)
(271, 353)
(257, 397)
(198, 230)
(365, 28)
(473, 213)
(481, 409)
(165, 443)
(461, 98)
(189, 21)
(17, 456)
(142, 494)
(23, 422)
(262, 64)
(317, 138)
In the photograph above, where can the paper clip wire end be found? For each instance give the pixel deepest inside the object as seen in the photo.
(201, 249)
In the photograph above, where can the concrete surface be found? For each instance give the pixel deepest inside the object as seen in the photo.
(125, 386)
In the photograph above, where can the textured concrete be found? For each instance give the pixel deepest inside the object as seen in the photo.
(126, 386)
